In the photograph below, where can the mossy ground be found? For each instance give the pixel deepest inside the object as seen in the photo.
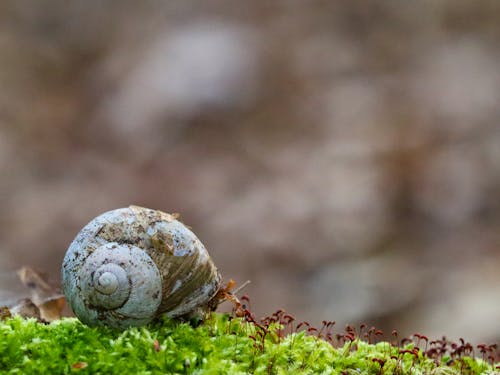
(218, 346)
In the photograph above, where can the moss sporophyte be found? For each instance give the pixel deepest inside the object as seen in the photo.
(225, 344)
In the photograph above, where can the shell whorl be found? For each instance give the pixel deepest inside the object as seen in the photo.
(114, 276)
(129, 265)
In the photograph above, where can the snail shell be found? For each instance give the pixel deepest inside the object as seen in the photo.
(130, 265)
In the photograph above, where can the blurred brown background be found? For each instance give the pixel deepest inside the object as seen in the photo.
(342, 155)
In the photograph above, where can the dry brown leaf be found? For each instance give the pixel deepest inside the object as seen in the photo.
(26, 308)
(156, 345)
(46, 297)
(41, 290)
(52, 309)
(4, 312)
(79, 365)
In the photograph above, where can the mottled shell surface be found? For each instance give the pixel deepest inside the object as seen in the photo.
(130, 265)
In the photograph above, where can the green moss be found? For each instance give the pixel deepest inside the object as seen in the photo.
(219, 346)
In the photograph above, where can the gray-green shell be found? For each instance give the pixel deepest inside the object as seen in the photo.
(130, 265)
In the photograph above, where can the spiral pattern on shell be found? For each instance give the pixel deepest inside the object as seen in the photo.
(130, 265)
